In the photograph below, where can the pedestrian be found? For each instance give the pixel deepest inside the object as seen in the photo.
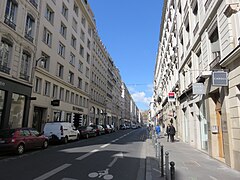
(172, 132)
(158, 130)
(167, 132)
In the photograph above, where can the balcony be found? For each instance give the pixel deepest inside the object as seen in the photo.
(29, 37)
(216, 59)
(24, 76)
(196, 29)
(207, 4)
(5, 69)
(9, 22)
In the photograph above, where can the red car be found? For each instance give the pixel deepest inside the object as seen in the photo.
(21, 139)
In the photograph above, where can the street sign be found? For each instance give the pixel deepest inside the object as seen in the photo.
(198, 88)
(219, 78)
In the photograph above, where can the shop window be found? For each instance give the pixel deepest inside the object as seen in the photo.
(2, 98)
(16, 112)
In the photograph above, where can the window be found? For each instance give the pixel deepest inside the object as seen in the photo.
(75, 9)
(89, 31)
(60, 70)
(73, 41)
(55, 91)
(79, 83)
(83, 21)
(49, 15)
(64, 11)
(25, 66)
(72, 59)
(81, 51)
(87, 72)
(47, 88)
(45, 61)
(16, 111)
(82, 35)
(47, 37)
(61, 94)
(74, 25)
(67, 96)
(63, 30)
(86, 87)
(5, 55)
(71, 77)
(72, 98)
(11, 13)
(80, 101)
(38, 85)
(88, 44)
(80, 66)
(76, 99)
(29, 29)
(61, 49)
(34, 3)
(88, 58)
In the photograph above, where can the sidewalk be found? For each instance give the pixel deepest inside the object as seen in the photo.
(190, 163)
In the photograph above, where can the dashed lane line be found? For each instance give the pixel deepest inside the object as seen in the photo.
(52, 172)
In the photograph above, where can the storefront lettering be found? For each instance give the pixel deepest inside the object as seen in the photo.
(2, 83)
(77, 109)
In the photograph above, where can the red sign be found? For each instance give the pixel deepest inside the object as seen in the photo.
(171, 96)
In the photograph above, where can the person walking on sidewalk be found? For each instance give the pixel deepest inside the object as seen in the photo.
(167, 132)
(172, 132)
(158, 130)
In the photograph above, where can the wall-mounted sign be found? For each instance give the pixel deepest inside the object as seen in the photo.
(219, 78)
(198, 88)
(171, 97)
(214, 129)
(55, 102)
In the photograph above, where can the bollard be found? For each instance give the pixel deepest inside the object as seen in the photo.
(158, 150)
(167, 165)
(162, 162)
(159, 156)
(172, 170)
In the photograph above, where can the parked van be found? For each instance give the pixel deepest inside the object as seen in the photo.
(61, 131)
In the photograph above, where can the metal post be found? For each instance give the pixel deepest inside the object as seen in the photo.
(159, 156)
(162, 161)
(167, 164)
(158, 150)
(172, 170)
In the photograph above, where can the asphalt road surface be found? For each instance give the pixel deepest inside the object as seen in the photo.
(118, 156)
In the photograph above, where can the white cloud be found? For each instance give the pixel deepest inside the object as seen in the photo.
(141, 98)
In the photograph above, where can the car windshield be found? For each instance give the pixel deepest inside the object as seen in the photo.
(7, 133)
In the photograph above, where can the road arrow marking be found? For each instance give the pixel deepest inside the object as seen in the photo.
(116, 156)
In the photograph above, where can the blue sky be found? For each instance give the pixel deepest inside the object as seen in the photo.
(130, 31)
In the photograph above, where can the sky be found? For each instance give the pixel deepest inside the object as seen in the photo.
(130, 31)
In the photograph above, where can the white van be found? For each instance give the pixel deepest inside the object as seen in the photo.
(61, 131)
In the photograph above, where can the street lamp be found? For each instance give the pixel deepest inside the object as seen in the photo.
(35, 65)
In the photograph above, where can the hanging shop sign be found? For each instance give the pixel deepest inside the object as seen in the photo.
(219, 78)
(198, 88)
(171, 97)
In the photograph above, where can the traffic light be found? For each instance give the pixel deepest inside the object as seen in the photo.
(76, 120)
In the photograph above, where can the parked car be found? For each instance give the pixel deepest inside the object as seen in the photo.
(122, 127)
(134, 126)
(61, 131)
(107, 128)
(99, 129)
(87, 131)
(113, 128)
(20, 139)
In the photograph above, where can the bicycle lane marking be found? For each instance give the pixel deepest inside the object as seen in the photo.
(52, 172)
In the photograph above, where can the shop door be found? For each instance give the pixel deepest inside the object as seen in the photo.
(37, 118)
(220, 134)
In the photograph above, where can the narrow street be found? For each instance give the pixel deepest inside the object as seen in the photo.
(118, 155)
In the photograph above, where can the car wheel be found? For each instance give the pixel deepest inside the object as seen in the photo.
(65, 140)
(20, 149)
(45, 144)
(78, 137)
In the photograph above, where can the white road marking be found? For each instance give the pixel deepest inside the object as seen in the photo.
(105, 145)
(213, 178)
(95, 150)
(54, 171)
